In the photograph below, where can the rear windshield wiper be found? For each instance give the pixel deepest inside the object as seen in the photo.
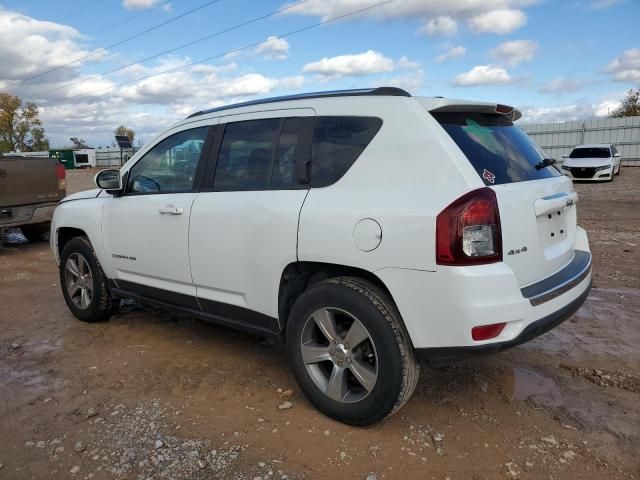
(547, 162)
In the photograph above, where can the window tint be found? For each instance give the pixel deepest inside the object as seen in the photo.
(337, 143)
(171, 165)
(588, 152)
(499, 151)
(244, 160)
(284, 163)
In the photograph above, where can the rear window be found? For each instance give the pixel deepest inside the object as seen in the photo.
(499, 151)
(597, 152)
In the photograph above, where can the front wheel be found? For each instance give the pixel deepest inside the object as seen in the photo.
(84, 284)
(349, 351)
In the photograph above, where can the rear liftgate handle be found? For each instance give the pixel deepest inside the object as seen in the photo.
(554, 203)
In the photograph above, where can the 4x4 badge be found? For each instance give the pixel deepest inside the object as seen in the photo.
(488, 176)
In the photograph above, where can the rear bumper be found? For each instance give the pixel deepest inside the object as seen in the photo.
(441, 308)
(27, 215)
(444, 355)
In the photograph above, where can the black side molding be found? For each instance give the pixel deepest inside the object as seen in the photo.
(446, 355)
(232, 316)
(560, 282)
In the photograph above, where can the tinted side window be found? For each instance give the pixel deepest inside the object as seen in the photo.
(284, 163)
(171, 165)
(245, 156)
(337, 143)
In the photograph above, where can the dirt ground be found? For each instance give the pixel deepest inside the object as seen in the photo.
(155, 395)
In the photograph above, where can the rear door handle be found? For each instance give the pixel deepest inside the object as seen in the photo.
(171, 210)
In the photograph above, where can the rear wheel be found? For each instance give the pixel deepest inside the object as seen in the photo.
(83, 282)
(350, 352)
(36, 233)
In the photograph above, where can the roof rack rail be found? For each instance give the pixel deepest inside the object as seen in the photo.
(380, 91)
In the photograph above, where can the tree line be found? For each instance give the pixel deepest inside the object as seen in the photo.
(21, 129)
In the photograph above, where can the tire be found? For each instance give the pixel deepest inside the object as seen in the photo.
(618, 171)
(89, 300)
(36, 233)
(385, 358)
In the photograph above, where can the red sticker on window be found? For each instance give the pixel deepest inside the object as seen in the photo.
(488, 176)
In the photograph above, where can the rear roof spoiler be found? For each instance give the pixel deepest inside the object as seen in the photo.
(464, 106)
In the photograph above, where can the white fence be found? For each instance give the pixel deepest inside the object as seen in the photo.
(113, 157)
(557, 139)
(29, 154)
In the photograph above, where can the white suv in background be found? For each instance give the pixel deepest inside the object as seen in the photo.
(361, 229)
(598, 162)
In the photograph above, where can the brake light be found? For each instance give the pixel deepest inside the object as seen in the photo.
(485, 332)
(504, 109)
(61, 174)
(468, 231)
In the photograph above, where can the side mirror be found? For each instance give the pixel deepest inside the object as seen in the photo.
(109, 180)
(616, 155)
(565, 156)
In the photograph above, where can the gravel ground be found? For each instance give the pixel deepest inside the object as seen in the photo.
(157, 395)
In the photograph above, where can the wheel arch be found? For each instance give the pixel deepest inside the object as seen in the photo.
(299, 276)
(64, 234)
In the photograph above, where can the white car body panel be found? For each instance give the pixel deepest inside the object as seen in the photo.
(147, 247)
(241, 241)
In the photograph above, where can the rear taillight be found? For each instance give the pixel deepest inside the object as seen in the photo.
(468, 230)
(61, 174)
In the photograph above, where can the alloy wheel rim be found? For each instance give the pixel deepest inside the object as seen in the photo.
(339, 355)
(79, 280)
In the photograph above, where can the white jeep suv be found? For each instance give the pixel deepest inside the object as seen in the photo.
(361, 229)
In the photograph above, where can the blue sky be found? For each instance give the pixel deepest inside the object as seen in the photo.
(555, 60)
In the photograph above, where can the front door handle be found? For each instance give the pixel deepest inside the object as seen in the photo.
(171, 210)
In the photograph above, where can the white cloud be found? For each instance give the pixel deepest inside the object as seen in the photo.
(515, 52)
(500, 21)
(440, 27)
(483, 75)
(403, 9)
(626, 67)
(411, 81)
(274, 48)
(602, 4)
(562, 85)
(404, 62)
(351, 65)
(139, 4)
(564, 113)
(452, 52)
(29, 47)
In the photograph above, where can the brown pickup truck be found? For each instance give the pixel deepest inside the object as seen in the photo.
(30, 189)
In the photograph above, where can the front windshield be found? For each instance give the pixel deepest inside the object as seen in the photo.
(595, 152)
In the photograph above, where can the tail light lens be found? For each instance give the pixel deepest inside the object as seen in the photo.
(62, 175)
(485, 332)
(468, 231)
